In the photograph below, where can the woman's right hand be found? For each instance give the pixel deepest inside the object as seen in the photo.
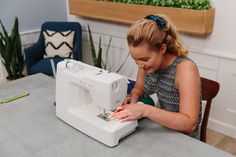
(127, 100)
(130, 100)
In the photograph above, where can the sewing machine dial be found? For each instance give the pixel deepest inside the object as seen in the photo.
(114, 86)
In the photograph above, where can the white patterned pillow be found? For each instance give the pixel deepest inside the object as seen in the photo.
(58, 43)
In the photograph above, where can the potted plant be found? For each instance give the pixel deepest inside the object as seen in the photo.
(11, 51)
(100, 63)
(97, 56)
(194, 17)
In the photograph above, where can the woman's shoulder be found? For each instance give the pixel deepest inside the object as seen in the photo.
(187, 67)
(180, 59)
(184, 62)
(187, 72)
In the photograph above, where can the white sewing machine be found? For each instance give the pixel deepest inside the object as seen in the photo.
(85, 96)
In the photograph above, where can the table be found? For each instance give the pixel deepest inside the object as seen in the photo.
(29, 128)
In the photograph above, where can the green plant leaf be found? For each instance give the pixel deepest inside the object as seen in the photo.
(11, 51)
(187, 4)
(4, 30)
(92, 47)
(106, 59)
(123, 63)
(99, 59)
(98, 62)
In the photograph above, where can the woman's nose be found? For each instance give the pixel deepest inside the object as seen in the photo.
(140, 64)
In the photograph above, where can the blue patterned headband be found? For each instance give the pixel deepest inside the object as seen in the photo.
(159, 20)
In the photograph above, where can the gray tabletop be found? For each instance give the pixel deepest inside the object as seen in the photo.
(30, 128)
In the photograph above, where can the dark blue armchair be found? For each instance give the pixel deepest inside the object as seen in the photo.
(34, 55)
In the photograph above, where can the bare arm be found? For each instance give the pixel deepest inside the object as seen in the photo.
(188, 83)
(137, 91)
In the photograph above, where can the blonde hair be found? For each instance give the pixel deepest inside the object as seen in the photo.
(148, 31)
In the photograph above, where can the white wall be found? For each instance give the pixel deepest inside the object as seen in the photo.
(215, 56)
(221, 42)
(31, 15)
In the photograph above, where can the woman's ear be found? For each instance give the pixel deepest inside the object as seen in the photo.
(163, 48)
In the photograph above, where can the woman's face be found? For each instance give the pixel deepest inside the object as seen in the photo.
(147, 59)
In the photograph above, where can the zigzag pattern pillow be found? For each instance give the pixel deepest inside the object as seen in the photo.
(58, 43)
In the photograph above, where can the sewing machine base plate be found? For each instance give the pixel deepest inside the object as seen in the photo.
(107, 132)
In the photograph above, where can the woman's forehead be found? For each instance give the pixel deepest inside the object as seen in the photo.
(141, 51)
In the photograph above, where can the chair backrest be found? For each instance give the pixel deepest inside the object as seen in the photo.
(210, 89)
(65, 26)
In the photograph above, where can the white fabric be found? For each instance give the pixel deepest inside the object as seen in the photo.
(58, 43)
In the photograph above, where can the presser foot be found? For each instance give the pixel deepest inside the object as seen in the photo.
(105, 116)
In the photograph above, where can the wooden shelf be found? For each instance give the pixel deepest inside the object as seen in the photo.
(195, 22)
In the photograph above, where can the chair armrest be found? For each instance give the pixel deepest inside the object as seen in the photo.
(77, 52)
(33, 54)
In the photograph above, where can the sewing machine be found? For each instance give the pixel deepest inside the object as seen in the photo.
(85, 98)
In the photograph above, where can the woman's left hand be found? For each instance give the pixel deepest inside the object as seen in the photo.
(129, 112)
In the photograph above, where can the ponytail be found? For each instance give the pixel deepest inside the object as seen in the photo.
(172, 39)
(156, 30)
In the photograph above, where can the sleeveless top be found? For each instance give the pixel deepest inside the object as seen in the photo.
(162, 82)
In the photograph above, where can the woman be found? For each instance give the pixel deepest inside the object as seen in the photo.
(164, 69)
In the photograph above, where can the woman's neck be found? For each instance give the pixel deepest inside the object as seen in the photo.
(168, 59)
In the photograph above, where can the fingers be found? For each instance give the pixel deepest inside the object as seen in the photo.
(127, 100)
(119, 115)
(130, 100)
(118, 109)
(124, 113)
(128, 118)
(122, 116)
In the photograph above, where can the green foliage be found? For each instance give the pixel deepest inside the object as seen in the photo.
(97, 57)
(187, 4)
(11, 51)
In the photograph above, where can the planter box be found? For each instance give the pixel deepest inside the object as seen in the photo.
(195, 22)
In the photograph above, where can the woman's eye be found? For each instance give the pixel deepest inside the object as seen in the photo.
(145, 60)
(141, 60)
